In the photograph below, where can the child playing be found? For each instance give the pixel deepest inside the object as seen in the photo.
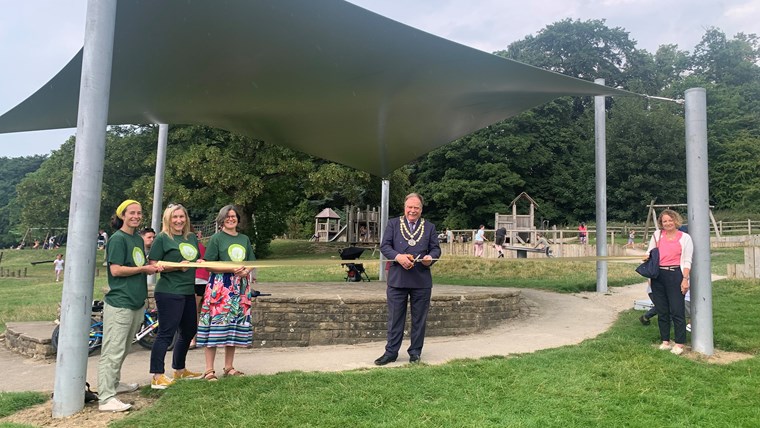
(58, 264)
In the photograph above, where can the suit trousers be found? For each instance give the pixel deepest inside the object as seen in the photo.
(420, 304)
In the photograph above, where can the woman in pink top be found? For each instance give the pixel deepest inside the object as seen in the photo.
(670, 286)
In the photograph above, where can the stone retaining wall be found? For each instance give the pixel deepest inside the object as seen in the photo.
(23, 338)
(310, 321)
(342, 318)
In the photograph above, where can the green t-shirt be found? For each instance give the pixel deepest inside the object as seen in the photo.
(175, 249)
(223, 247)
(126, 291)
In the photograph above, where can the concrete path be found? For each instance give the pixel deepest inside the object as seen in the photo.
(556, 320)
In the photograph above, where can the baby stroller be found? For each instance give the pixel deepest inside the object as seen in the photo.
(354, 271)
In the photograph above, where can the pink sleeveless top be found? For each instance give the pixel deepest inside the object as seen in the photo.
(670, 251)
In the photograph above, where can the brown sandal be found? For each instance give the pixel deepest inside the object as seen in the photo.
(232, 372)
(210, 375)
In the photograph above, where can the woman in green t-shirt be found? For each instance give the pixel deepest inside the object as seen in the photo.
(124, 303)
(175, 295)
(225, 319)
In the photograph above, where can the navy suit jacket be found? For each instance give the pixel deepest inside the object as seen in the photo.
(394, 244)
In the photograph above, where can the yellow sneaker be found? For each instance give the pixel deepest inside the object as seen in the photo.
(162, 382)
(186, 374)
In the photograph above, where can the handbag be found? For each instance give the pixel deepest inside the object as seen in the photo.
(651, 267)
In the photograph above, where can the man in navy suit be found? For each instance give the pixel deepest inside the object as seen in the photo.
(413, 245)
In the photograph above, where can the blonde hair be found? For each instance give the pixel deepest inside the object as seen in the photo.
(677, 219)
(166, 221)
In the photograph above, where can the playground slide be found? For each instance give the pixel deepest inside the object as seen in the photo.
(339, 234)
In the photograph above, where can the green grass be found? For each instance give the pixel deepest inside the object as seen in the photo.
(11, 402)
(616, 379)
(613, 380)
(34, 297)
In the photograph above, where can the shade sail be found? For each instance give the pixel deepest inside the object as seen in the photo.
(325, 77)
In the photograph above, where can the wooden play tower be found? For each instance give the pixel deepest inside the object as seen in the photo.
(520, 227)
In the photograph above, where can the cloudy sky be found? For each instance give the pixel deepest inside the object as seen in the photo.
(38, 37)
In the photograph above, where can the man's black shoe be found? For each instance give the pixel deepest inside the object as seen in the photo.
(385, 359)
(414, 359)
(644, 320)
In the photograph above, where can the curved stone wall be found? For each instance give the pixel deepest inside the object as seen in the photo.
(321, 314)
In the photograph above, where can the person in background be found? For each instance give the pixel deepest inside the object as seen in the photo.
(449, 236)
(225, 320)
(102, 237)
(58, 266)
(541, 242)
(672, 284)
(583, 233)
(631, 238)
(480, 238)
(175, 296)
(148, 236)
(124, 303)
(498, 242)
(412, 242)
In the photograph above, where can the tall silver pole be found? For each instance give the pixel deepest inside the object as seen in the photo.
(84, 208)
(158, 186)
(384, 197)
(697, 193)
(601, 189)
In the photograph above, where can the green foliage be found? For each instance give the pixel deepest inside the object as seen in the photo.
(638, 130)
(43, 196)
(583, 49)
(12, 171)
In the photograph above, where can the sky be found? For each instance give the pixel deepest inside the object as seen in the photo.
(38, 37)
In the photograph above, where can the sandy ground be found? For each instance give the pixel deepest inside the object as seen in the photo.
(555, 320)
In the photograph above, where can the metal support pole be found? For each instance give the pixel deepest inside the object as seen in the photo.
(384, 197)
(601, 189)
(84, 208)
(158, 186)
(697, 193)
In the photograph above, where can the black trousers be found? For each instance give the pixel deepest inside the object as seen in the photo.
(670, 304)
(397, 301)
(175, 312)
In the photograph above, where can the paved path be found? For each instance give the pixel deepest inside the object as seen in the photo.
(556, 320)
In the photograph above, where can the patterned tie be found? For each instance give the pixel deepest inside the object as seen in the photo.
(412, 225)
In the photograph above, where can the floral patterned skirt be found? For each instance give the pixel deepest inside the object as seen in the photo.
(225, 318)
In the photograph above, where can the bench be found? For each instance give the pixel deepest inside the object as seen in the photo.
(522, 252)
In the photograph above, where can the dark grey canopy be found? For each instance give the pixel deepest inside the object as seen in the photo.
(323, 77)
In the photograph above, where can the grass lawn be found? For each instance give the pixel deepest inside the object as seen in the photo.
(617, 379)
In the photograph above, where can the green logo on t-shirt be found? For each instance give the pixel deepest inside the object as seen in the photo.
(188, 251)
(138, 256)
(236, 252)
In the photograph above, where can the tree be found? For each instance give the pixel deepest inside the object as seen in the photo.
(12, 171)
(583, 49)
(43, 196)
(208, 168)
(646, 157)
